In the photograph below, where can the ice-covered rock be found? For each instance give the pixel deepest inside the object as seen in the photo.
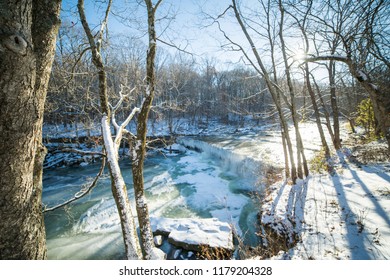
(158, 240)
(195, 234)
(158, 254)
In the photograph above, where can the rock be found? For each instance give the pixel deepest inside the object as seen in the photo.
(158, 254)
(177, 254)
(158, 240)
(195, 234)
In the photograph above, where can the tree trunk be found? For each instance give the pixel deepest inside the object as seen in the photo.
(28, 33)
(326, 113)
(335, 108)
(316, 112)
(272, 89)
(380, 102)
(139, 147)
(301, 158)
(119, 192)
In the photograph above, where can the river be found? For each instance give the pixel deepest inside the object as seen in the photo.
(200, 181)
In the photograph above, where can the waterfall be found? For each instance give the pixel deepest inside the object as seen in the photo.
(240, 164)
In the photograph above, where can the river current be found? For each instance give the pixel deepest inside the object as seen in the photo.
(200, 181)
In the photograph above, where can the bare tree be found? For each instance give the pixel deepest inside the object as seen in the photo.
(302, 23)
(358, 27)
(134, 248)
(139, 144)
(28, 31)
(301, 158)
(276, 93)
(118, 185)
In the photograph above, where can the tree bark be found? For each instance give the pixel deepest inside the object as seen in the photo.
(335, 108)
(139, 146)
(28, 33)
(326, 113)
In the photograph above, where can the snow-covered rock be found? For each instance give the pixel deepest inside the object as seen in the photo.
(158, 240)
(194, 234)
(158, 254)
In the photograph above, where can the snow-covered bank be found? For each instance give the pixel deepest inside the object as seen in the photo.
(195, 234)
(345, 216)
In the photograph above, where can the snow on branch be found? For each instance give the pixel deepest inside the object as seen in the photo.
(327, 57)
(81, 152)
(122, 97)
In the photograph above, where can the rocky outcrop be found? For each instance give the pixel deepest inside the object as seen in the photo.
(195, 234)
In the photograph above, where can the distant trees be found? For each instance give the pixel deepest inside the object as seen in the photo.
(28, 31)
(185, 89)
(274, 80)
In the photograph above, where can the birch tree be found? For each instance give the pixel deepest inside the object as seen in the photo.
(28, 31)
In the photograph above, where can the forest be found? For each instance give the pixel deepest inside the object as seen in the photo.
(120, 129)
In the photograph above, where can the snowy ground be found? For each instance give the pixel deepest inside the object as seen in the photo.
(345, 216)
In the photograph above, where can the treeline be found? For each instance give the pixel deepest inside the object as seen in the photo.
(187, 88)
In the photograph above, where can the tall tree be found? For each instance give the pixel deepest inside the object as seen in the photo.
(139, 144)
(274, 88)
(28, 31)
(118, 185)
(135, 248)
(302, 24)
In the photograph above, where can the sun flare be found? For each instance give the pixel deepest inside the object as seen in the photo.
(299, 55)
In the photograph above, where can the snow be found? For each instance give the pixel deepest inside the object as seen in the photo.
(210, 232)
(345, 216)
(362, 75)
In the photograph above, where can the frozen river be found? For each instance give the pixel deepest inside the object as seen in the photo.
(201, 182)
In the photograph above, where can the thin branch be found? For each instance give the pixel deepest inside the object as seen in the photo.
(103, 25)
(83, 192)
(81, 152)
(174, 46)
(327, 57)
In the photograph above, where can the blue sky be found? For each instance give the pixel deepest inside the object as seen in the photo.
(181, 22)
(185, 27)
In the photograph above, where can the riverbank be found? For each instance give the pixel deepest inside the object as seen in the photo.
(344, 216)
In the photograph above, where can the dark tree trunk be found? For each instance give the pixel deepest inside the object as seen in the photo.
(28, 33)
(139, 146)
(335, 108)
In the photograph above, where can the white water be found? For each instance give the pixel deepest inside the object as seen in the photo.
(229, 160)
(213, 183)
